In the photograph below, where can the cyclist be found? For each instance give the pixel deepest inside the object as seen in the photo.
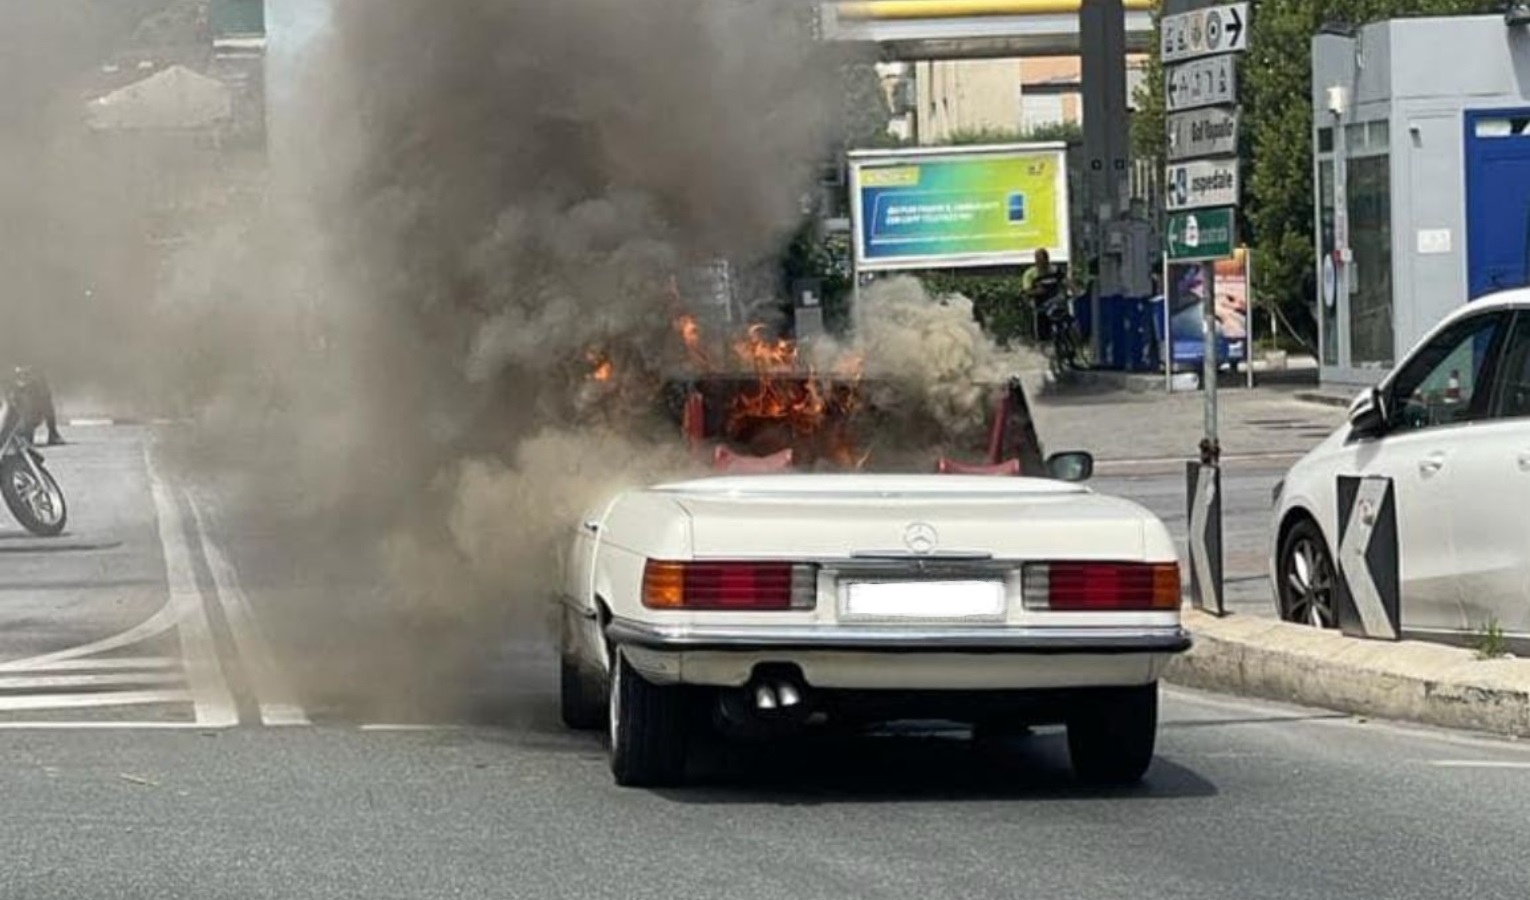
(1044, 285)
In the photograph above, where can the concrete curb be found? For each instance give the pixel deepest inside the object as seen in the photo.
(1324, 399)
(1408, 681)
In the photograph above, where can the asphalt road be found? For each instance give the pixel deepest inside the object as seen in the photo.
(1246, 508)
(320, 792)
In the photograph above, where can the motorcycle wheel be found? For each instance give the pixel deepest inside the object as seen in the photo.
(39, 507)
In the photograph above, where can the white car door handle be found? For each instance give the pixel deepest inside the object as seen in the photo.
(1524, 461)
(1431, 464)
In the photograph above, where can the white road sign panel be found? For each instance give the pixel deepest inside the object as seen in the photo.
(1203, 132)
(1205, 82)
(1205, 32)
(1207, 182)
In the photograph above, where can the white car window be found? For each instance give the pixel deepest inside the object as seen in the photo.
(1443, 383)
(1514, 391)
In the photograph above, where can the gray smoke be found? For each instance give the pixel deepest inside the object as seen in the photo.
(388, 348)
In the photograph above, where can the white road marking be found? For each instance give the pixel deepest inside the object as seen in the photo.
(1478, 764)
(91, 701)
(115, 664)
(101, 726)
(277, 702)
(209, 689)
(161, 622)
(56, 682)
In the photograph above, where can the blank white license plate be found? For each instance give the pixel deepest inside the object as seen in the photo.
(925, 599)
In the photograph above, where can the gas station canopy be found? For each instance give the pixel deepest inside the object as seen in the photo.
(974, 29)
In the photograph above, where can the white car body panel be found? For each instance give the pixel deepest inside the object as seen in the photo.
(854, 528)
(1462, 496)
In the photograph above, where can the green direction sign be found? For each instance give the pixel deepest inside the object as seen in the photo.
(1202, 234)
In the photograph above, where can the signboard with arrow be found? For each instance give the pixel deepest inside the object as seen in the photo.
(1202, 235)
(1205, 32)
(1205, 82)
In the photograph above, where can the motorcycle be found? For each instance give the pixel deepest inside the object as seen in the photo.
(30, 490)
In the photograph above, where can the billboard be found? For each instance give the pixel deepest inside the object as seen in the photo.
(959, 207)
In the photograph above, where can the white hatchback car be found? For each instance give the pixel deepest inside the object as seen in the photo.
(1451, 427)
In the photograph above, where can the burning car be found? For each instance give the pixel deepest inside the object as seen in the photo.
(793, 588)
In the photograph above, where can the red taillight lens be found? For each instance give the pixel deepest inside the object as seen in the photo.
(743, 586)
(1103, 587)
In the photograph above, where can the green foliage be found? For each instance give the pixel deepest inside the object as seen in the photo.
(1276, 77)
(1069, 132)
(1489, 641)
(1149, 138)
(813, 255)
(997, 300)
(865, 113)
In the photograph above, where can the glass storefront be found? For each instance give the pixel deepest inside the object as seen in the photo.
(1371, 336)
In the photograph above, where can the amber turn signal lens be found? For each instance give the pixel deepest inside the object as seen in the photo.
(1166, 587)
(664, 585)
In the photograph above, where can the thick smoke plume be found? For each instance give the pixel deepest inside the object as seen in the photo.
(473, 206)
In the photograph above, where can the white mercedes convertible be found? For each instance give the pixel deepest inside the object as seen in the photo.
(772, 602)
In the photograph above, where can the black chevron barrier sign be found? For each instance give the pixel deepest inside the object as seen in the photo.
(1204, 485)
(1368, 595)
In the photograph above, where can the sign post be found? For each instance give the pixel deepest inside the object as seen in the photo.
(1203, 188)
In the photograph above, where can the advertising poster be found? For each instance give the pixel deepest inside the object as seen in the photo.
(1231, 284)
(1187, 295)
(945, 209)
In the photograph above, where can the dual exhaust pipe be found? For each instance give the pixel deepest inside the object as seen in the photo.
(778, 695)
(773, 697)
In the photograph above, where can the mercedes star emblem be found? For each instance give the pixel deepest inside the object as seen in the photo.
(921, 538)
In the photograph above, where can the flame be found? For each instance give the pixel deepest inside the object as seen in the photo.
(803, 408)
(602, 369)
(690, 333)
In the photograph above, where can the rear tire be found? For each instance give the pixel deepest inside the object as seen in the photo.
(649, 729)
(21, 491)
(1111, 740)
(582, 697)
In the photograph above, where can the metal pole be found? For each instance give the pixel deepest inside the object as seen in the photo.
(1248, 327)
(1211, 450)
(1168, 329)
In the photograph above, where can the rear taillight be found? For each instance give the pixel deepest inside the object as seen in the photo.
(1102, 586)
(743, 586)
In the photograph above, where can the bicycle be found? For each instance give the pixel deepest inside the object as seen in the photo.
(1069, 349)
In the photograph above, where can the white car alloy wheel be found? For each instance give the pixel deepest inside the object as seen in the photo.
(1308, 582)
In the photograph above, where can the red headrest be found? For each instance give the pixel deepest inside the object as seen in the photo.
(725, 460)
(952, 467)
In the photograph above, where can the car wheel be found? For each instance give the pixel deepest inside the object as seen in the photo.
(1307, 578)
(1111, 740)
(582, 696)
(648, 729)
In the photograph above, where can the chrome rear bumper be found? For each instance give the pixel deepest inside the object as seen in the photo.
(902, 639)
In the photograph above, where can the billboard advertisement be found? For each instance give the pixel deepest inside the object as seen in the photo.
(959, 207)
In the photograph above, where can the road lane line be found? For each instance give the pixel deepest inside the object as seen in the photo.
(1478, 764)
(115, 664)
(156, 625)
(209, 689)
(277, 702)
(56, 682)
(93, 701)
(101, 726)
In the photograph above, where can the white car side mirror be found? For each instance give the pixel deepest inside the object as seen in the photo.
(1367, 414)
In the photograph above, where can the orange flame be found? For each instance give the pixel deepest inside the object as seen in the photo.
(603, 369)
